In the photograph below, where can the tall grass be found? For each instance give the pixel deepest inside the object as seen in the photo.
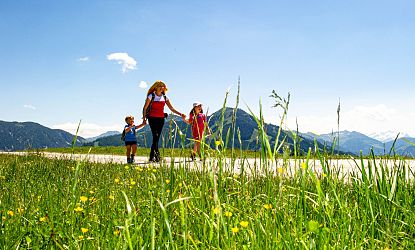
(215, 203)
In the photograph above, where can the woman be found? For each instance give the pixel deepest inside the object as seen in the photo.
(154, 111)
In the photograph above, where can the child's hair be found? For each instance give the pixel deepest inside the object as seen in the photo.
(193, 111)
(155, 85)
(128, 117)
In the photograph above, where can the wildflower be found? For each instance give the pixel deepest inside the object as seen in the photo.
(323, 175)
(216, 210)
(218, 143)
(154, 170)
(83, 198)
(78, 209)
(235, 230)
(81, 237)
(42, 219)
(243, 223)
(280, 170)
(116, 232)
(84, 230)
(303, 165)
(167, 181)
(10, 213)
(228, 214)
(132, 182)
(3, 217)
(168, 190)
(117, 180)
(93, 199)
(180, 184)
(267, 206)
(91, 192)
(111, 197)
(127, 167)
(20, 210)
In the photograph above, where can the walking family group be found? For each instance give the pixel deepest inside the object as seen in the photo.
(155, 116)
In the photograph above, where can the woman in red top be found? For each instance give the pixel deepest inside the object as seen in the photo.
(156, 100)
(198, 122)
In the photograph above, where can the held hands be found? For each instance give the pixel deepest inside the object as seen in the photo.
(183, 116)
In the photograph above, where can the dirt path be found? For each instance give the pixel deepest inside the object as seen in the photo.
(345, 167)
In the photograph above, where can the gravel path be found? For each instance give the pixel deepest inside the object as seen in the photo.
(345, 167)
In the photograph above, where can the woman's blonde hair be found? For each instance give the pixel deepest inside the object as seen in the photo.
(155, 85)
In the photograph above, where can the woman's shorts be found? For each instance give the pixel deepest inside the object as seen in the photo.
(129, 143)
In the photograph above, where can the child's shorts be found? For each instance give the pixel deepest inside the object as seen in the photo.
(129, 143)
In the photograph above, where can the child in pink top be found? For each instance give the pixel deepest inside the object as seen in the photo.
(198, 122)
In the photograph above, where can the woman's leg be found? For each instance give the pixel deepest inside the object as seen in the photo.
(156, 125)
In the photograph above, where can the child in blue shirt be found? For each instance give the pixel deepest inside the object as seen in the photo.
(130, 139)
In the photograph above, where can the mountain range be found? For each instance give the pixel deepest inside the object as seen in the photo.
(20, 136)
(29, 135)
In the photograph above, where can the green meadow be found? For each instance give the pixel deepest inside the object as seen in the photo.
(62, 204)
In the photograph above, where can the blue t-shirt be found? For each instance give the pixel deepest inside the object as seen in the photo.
(130, 135)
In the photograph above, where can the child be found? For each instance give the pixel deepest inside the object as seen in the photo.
(130, 139)
(197, 120)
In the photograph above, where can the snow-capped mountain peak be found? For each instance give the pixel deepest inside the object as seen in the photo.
(386, 136)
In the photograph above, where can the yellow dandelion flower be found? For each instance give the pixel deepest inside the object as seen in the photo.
(138, 168)
(127, 167)
(168, 190)
(20, 210)
(42, 219)
(84, 230)
(267, 206)
(154, 170)
(323, 175)
(116, 232)
(132, 182)
(78, 209)
(93, 199)
(228, 214)
(116, 180)
(111, 197)
(91, 192)
(243, 223)
(83, 198)
(81, 237)
(3, 217)
(167, 181)
(280, 170)
(303, 165)
(216, 210)
(10, 213)
(218, 143)
(180, 185)
(235, 230)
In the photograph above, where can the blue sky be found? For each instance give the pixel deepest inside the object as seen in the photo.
(84, 60)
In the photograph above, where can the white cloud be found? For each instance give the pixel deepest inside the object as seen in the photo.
(364, 119)
(84, 59)
(128, 63)
(28, 106)
(87, 130)
(142, 84)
